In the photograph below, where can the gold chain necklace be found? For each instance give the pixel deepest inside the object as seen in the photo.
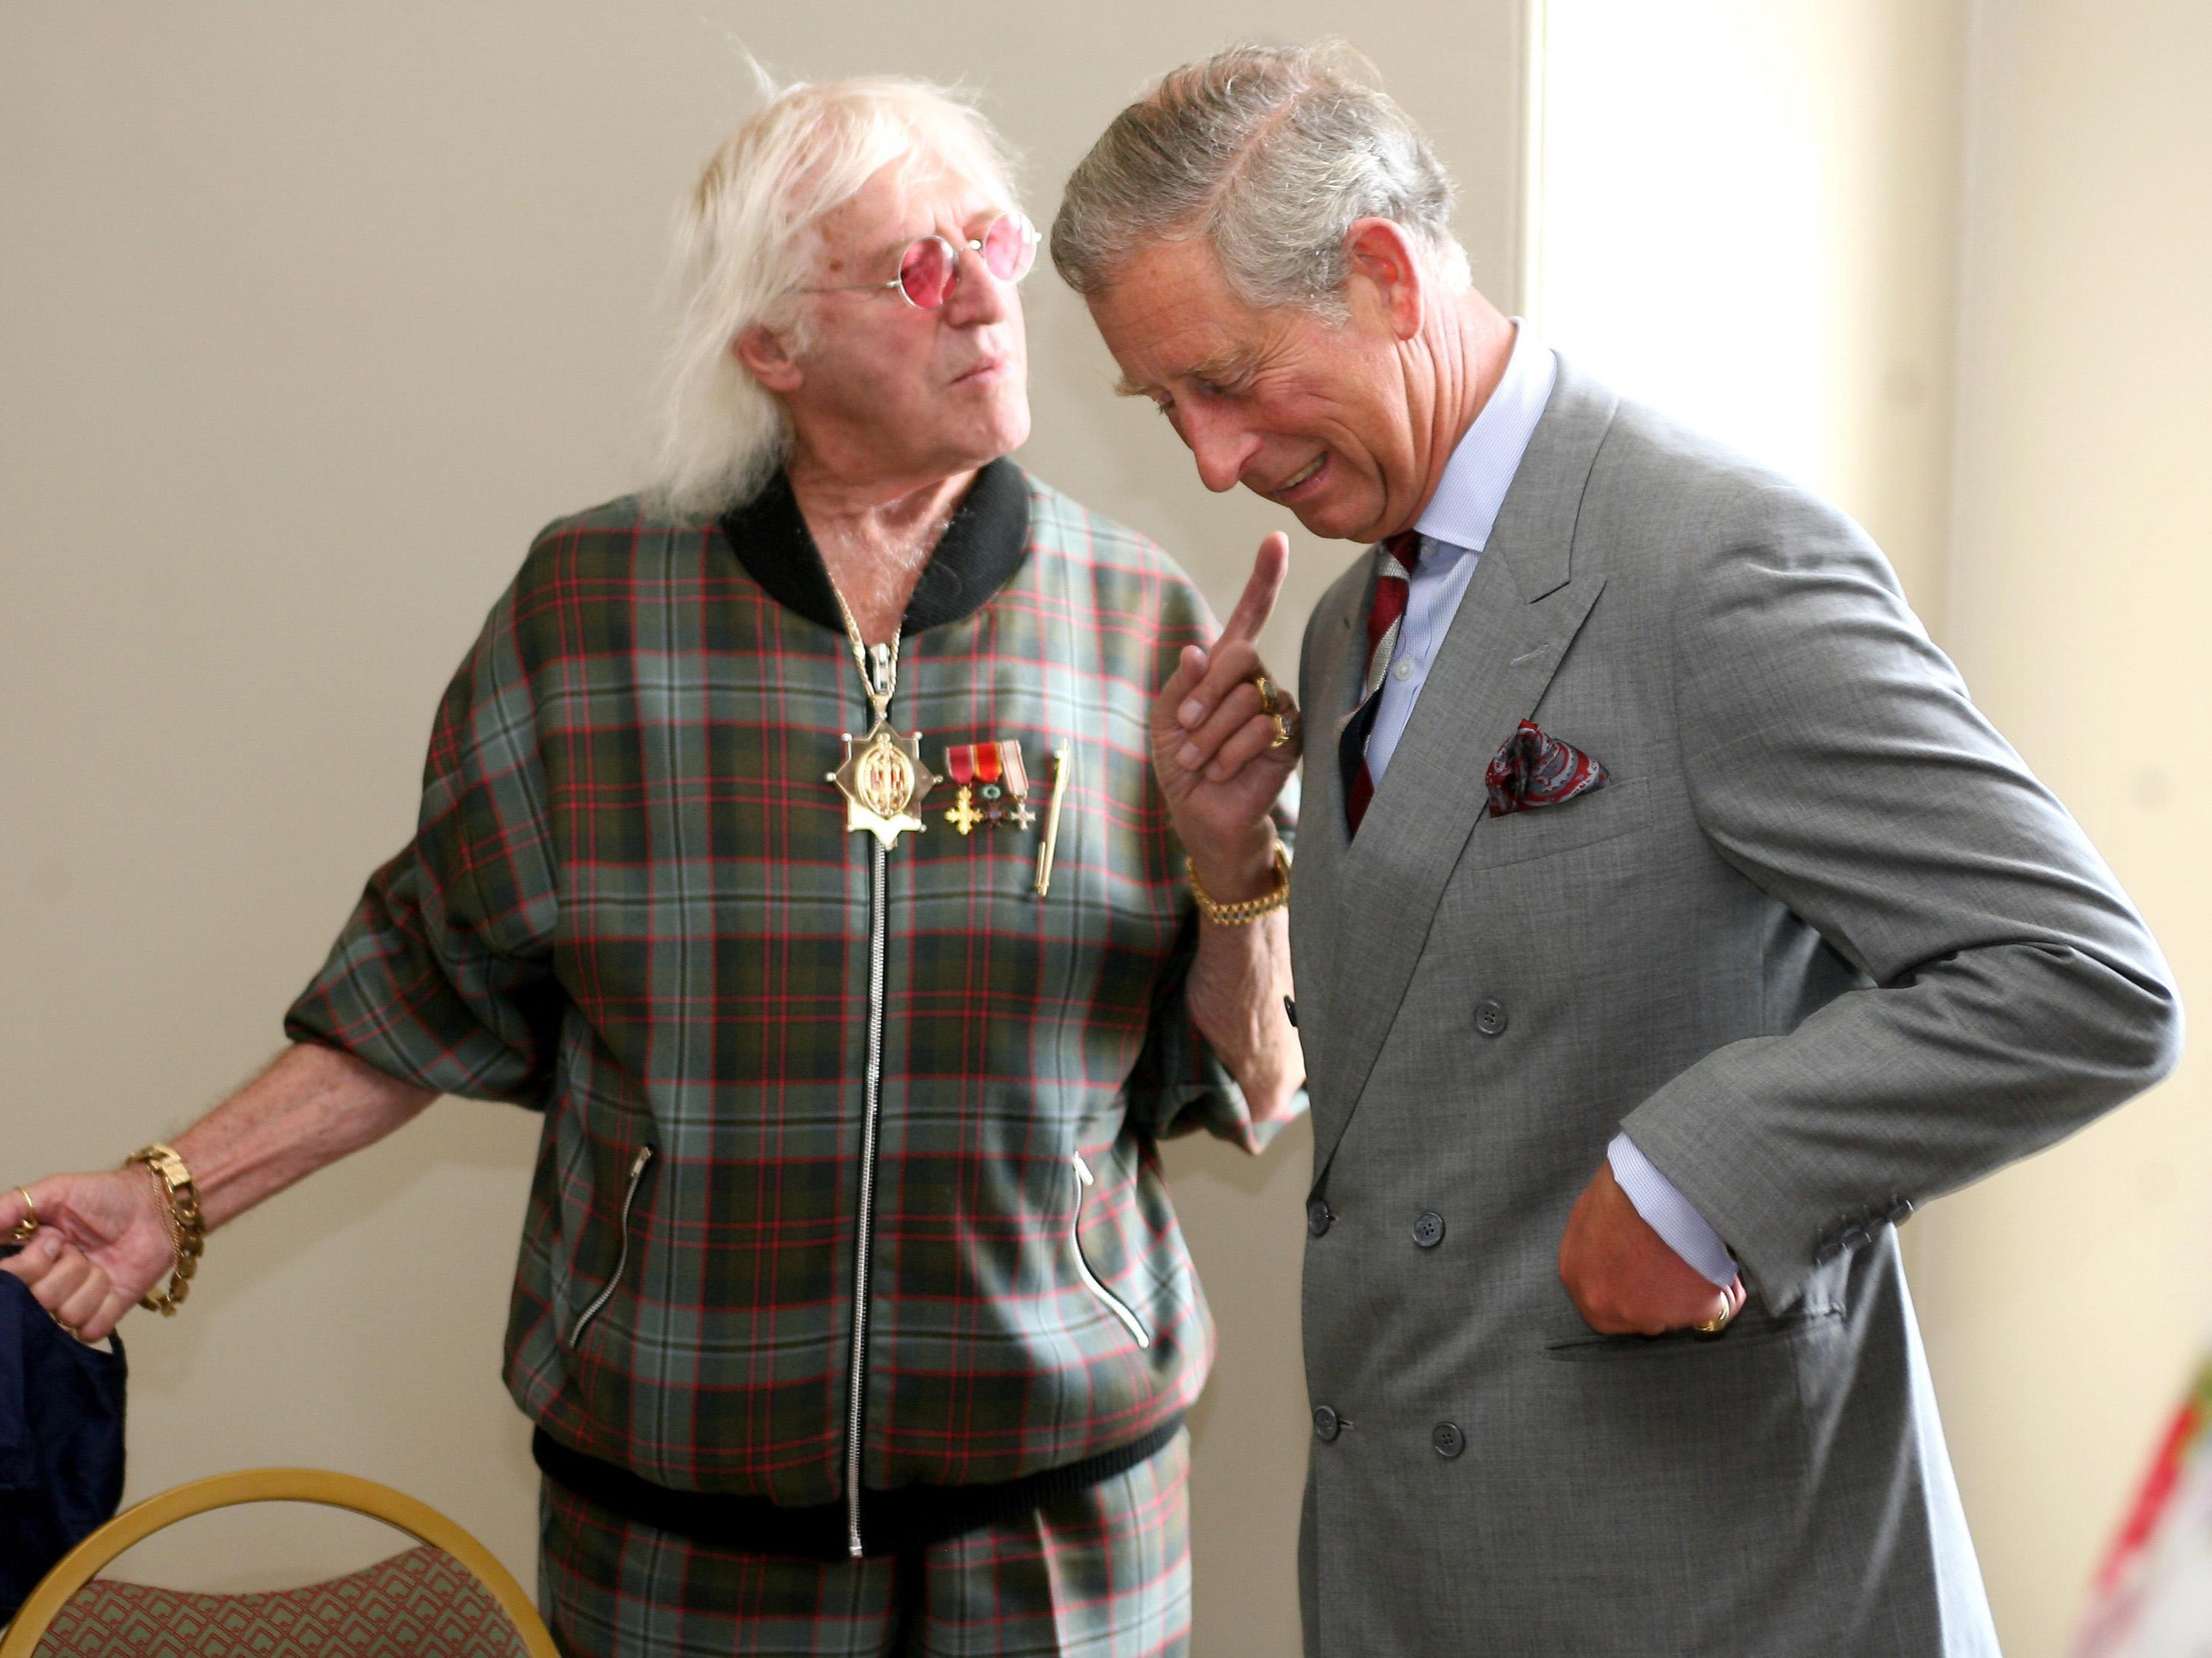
(883, 779)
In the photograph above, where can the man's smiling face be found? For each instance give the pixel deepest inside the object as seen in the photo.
(1307, 413)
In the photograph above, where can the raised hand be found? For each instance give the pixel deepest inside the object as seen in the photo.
(1217, 755)
(101, 1243)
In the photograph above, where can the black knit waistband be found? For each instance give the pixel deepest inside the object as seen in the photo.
(891, 1522)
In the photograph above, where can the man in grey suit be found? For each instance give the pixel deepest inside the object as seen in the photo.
(1698, 927)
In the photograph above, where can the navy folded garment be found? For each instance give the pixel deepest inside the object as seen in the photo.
(61, 1441)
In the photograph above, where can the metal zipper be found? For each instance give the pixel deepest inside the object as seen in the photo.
(856, 1408)
(621, 1261)
(1114, 1304)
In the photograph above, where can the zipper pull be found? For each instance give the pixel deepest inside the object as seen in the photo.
(882, 657)
(1082, 1168)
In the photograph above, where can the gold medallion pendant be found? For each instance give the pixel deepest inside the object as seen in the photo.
(882, 781)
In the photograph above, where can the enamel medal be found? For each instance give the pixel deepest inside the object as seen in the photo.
(993, 772)
(1018, 785)
(960, 766)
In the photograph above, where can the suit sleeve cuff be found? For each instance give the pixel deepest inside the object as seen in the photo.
(1668, 1213)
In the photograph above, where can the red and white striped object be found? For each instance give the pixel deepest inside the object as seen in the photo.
(2153, 1596)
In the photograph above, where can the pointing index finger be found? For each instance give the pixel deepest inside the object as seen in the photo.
(1257, 601)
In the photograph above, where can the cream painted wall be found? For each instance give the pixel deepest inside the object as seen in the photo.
(315, 314)
(1744, 211)
(2066, 1301)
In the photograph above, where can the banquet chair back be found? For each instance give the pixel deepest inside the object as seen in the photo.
(447, 1597)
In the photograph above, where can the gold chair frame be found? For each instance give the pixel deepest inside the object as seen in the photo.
(336, 1491)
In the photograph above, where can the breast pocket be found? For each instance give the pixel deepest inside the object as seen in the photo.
(1621, 807)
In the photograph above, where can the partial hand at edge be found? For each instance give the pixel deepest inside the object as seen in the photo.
(101, 1245)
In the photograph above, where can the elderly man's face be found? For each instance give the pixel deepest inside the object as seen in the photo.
(901, 392)
(1309, 415)
(1292, 407)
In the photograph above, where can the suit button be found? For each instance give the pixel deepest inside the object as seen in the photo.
(1899, 1212)
(1326, 1424)
(1319, 1219)
(1429, 1229)
(1489, 1016)
(1448, 1439)
(1855, 1236)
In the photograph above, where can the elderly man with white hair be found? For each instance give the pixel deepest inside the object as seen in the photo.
(791, 838)
(1669, 925)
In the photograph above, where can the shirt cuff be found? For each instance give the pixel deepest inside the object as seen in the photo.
(1668, 1213)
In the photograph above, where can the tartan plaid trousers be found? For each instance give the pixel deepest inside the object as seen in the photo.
(1103, 1574)
(631, 900)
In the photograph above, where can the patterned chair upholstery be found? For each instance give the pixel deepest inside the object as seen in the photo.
(421, 1604)
(446, 1598)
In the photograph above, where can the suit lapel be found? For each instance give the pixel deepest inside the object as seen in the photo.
(1340, 638)
(1330, 687)
(1529, 597)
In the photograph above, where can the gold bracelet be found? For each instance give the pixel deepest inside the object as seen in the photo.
(180, 1208)
(1244, 909)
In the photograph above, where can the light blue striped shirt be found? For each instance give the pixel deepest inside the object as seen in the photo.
(1455, 527)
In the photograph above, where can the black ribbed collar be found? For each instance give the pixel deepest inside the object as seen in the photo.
(978, 553)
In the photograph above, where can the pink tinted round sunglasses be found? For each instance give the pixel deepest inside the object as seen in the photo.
(929, 266)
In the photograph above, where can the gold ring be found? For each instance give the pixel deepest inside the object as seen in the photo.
(1268, 706)
(1713, 1327)
(1281, 735)
(57, 1318)
(21, 1233)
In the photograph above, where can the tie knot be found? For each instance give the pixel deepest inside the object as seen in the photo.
(1405, 546)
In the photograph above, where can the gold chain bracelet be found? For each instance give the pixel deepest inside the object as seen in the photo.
(180, 1209)
(1244, 909)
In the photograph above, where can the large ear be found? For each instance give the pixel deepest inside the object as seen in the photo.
(767, 356)
(1383, 263)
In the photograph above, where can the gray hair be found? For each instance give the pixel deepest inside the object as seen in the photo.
(743, 252)
(1269, 154)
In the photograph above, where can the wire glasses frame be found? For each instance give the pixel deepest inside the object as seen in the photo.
(929, 266)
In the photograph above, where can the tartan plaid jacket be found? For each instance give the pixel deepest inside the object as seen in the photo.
(632, 900)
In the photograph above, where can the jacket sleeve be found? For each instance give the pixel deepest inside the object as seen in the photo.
(2007, 990)
(443, 975)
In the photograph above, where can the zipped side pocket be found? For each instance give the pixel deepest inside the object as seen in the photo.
(1114, 1304)
(637, 1167)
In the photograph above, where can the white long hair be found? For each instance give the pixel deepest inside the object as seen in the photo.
(742, 255)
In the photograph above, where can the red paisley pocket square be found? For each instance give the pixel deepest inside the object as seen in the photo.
(1534, 770)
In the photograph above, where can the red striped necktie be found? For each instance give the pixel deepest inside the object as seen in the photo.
(1393, 581)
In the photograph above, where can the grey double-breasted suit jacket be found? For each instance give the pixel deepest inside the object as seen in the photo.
(1822, 944)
